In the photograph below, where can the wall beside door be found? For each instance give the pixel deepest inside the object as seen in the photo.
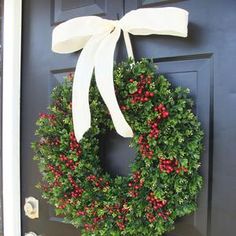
(1, 57)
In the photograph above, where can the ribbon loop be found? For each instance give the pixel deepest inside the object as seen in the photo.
(160, 21)
(73, 34)
(98, 38)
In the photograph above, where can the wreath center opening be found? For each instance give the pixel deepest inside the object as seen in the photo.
(115, 154)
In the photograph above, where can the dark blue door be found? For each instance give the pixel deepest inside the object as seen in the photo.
(203, 62)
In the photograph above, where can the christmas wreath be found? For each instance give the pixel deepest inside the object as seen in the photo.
(164, 179)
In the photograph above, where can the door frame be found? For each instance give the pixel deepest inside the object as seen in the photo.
(12, 18)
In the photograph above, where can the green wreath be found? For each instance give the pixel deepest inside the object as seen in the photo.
(164, 179)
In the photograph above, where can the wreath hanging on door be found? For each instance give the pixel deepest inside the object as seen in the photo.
(164, 179)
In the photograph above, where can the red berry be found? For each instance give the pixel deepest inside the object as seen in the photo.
(151, 94)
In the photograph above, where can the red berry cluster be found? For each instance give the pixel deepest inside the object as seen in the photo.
(74, 145)
(154, 132)
(89, 227)
(163, 114)
(63, 203)
(98, 182)
(135, 184)
(150, 217)
(155, 202)
(121, 211)
(91, 210)
(81, 213)
(142, 95)
(68, 162)
(47, 116)
(124, 108)
(55, 183)
(122, 219)
(144, 147)
(162, 111)
(164, 214)
(77, 190)
(157, 205)
(120, 225)
(168, 166)
(55, 171)
(50, 117)
(178, 170)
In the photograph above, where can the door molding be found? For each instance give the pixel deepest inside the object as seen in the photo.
(11, 116)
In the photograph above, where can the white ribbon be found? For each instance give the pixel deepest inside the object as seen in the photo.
(98, 38)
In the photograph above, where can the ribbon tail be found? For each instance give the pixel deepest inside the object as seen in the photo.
(104, 79)
(128, 45)
(80, 92)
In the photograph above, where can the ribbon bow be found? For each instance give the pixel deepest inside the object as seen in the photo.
(98, 38)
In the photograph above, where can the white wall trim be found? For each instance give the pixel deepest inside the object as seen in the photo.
(11, 117)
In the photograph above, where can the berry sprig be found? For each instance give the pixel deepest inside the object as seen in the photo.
(120, 211)
(135, 184)
(164, 214)
(162, 114)
(168, 166)
(77, 190)
(51, 118)
(57, 173)
(47, 116)
(155, 202)
(63, 202)
(124, 108)
(150, 217)
(74, 145)
(142, 94)
(144, 147)
(92, 213)
(162, 110)
(89, 227)
(157, 205)
(98, 182)
(68, 162)
(154, 132)
(122, 219)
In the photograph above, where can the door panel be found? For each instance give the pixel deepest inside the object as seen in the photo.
(151, 3)
(203, 62)
(67, 9)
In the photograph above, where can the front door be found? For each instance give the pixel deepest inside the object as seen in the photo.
(203, 62)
